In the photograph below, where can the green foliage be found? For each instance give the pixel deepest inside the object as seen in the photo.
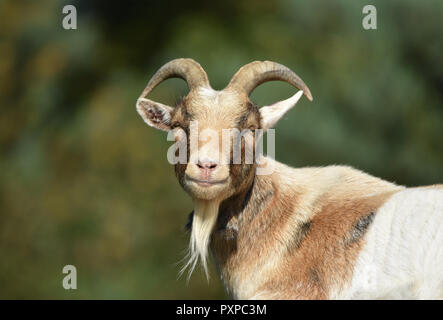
(85, 182)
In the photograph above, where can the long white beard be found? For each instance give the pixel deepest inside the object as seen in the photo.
(204, 220)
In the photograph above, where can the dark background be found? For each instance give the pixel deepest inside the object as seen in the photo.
(85, 182)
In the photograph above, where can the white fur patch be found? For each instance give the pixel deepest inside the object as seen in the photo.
(204, 220)
(209, 93)
(273, 113)
(403, 255)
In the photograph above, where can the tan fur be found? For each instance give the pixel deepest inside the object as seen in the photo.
(263, 259)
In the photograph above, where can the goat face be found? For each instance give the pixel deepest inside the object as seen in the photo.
(214, 120)
(213, 124)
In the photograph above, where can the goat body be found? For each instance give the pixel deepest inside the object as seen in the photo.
(330, 233)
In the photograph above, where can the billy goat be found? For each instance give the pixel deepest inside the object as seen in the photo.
(311, 233)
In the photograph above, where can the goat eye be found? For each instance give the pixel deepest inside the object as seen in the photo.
(175, 125)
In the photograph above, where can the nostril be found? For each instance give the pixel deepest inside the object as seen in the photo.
(207, 165)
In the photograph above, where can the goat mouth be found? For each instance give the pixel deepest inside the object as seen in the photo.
(206, 183)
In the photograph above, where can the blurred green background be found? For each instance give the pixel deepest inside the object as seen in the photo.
(85, 182)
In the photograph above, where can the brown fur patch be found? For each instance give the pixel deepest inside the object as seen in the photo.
(321, 257)
(250, 118)
(258, 225)
(180, 117)
(329, 248)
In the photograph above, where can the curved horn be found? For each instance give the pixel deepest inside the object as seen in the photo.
(255, 73)
(186, 69)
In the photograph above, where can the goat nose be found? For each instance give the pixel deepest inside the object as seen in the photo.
(207, 165)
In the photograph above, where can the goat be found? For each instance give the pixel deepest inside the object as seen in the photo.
(310, 233)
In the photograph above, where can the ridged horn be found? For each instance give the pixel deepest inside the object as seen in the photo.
(186, 69)
(253, 74)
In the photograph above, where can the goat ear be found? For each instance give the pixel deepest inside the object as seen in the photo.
(270, 115)
(155, 114)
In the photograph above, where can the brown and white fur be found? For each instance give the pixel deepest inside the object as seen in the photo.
(310, 233)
